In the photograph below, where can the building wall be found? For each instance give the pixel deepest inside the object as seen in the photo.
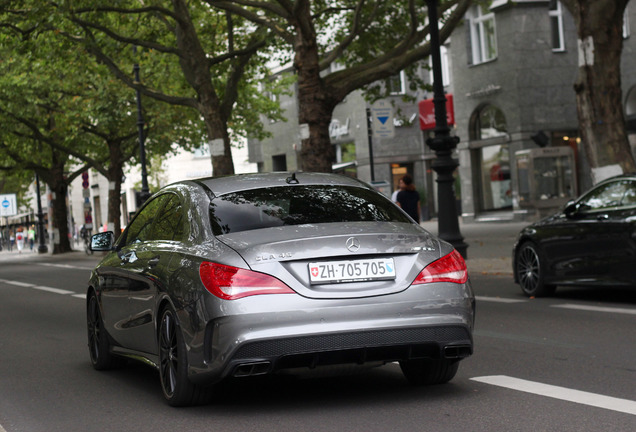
(349, 125)
(533, 88)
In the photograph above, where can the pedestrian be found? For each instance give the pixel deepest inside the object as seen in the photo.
(397, 191)
(11, 240)
(19, 239)
(31, 236)
(409, 199)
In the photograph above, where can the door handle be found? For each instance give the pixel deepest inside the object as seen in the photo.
(602, 217)
(152, 262)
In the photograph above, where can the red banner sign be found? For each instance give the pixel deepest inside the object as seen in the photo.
(427, 113)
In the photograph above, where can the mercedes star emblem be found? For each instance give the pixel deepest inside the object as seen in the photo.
(353, 244)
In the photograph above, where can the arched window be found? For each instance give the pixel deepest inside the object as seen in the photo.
(492, 161)
(487, 121)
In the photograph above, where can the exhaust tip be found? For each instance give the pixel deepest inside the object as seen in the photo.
(252, 369)
(457, 351)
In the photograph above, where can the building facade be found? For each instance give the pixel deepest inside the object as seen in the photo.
(514, 65)
(511, 70)
(376, 160)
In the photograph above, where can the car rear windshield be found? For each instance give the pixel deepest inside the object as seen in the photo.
(297, 205)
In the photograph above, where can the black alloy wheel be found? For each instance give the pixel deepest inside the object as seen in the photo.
(98, 343)
(530, 269)
(173, 368)
(429, 371)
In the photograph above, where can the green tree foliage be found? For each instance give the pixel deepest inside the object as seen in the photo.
(191, 55)
(363, 41)
(62, 113)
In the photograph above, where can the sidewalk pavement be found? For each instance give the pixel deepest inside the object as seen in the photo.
(489, 247)
(489, 244)
(75, 256)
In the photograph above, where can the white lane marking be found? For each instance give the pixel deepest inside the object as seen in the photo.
(597, 308)
(563, 393)
(68, 266)
(499, 299)
(43, 288)
(20, 284)
(53, 290)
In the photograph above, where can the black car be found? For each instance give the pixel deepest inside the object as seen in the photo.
(591, 242)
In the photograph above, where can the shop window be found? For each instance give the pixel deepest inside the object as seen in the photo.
(494, 169)
(482, 35)
(492, 161)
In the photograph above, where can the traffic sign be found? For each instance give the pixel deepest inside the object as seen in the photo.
(8, 205)
(382, 119)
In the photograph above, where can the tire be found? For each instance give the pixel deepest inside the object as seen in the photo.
(429, 371)
(530, 268)
(98, 343)
(177, 389)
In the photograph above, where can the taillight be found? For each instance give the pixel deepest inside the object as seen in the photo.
(231, 283)
(449, 268)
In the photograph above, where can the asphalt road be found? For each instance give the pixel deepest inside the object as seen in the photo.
(562, 364)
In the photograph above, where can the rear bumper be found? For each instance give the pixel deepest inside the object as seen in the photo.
(260, 357)
(261, 335)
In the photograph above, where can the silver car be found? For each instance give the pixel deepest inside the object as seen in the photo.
(259, 273)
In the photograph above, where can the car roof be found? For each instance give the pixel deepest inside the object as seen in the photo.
(629, 176)
(240, 182)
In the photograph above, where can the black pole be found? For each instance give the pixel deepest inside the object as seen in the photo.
(443, 144)
(145, 191)
(41, 246)
(370, 135)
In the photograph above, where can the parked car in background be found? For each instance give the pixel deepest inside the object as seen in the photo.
(253, 274)
(591, 242)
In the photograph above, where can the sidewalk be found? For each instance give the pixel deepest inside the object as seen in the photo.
(77, 255)
(489, 247)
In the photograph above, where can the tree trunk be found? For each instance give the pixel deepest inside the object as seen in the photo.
(598, 86)
(315, 109)
(115, 175)
(60, 216)
(196, 69)
(222, 163)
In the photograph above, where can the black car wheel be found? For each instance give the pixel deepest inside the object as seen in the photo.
(530, 269)
(98, 343)
(429, 371)
(173, 368)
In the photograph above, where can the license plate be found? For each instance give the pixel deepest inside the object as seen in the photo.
(351, 270)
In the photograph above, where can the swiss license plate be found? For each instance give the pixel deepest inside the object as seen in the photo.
(351, 270)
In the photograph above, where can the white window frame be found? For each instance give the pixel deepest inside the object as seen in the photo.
(402, 84)
(446, 76)
(478, 40)
(556, 15)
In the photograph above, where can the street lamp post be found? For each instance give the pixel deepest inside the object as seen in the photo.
(41, 246)
(443, 144)
(145, 191)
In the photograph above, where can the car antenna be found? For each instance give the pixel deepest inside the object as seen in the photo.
(292, 179)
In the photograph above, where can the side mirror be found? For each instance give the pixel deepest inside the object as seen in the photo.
(570, 209)
(103, 241)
